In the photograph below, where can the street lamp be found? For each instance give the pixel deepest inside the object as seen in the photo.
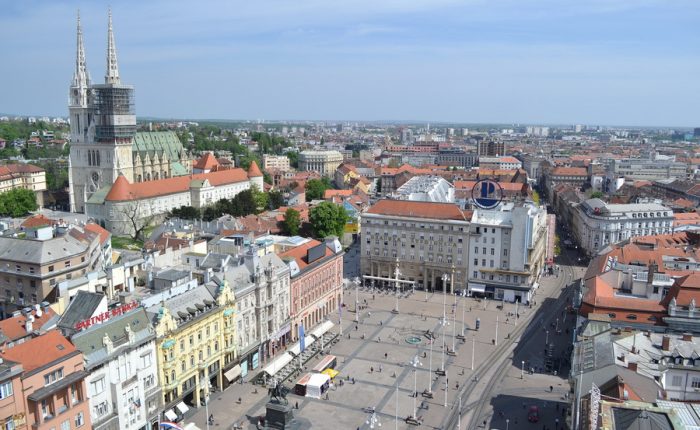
(397, 273)
(429, 391)
(496, 340)
(447, 387)
(507, 423)
(473, 345)
(357, 299)
(522, 369)
(546, 338)
(205, 390)
(415, 362)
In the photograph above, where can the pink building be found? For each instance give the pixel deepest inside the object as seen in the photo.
(12, 411)
(51, 388)
(316, 282)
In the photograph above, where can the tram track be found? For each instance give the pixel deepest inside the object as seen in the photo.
(499, 362)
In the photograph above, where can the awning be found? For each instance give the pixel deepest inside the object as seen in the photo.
(182, 407)
(332, 373)
(169, 414)
(308, 340)
(233, 373)
(477, 288)
(321, 329)
(278, 363)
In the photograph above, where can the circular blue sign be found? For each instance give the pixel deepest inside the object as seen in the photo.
(487, 194)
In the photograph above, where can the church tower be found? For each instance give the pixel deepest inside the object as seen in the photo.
(105, 126)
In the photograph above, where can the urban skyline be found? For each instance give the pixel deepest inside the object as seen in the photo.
(619, 62)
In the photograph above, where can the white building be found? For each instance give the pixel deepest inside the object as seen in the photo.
(119, 206)
(500, 163)
(597, 224)
(323, 162)
(507, 250)
(279, 162)
(426, 189)
(644, 169)
(120, 356)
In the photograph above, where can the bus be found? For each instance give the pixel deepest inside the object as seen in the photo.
(328, 362)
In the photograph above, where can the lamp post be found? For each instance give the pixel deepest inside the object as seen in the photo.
(447, 387)
(397, 273)
(459, 413)
(430, 365)
(415, 362)
(507, 423)
(473, 345)
(454, 323)
(396, 411)
(464, 305)
(516, 313)
(444, 320)
(546, 337)
(522, 369)
(496, 340)
(205, 390)
(357, 299)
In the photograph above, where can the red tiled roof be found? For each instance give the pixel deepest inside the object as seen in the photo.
(40, 351)
(14, 327)
(38, 220)
(206, 162)
(122, 190)
(336, 193)
(95, 228)
(254, 170)
(569, 171)
(299, 253)
(419, 210)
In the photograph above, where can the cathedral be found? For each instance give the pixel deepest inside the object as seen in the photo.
(104, 140)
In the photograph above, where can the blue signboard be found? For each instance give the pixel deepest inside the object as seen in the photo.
(244, 368)
(255, 360)
(302, 344)
(487, 194)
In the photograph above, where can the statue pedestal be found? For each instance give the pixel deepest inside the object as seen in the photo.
(279, 416)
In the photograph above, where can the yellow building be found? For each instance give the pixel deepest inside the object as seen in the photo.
(196, 343)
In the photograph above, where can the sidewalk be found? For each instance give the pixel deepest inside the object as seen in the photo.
(226, 409)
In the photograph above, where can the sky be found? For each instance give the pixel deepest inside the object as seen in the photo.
(610, 62)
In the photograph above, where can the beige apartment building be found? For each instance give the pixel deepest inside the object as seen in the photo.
(25, 176)
(32, 267)
(279, 162)
(428, 240)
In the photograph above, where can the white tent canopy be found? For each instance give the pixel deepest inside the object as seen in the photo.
(278, 363)
(321, 329)
(296, 348)
(315, 385)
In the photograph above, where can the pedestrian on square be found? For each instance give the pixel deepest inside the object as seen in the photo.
(386, 355)
(371, 369)
(296, 405)
(551, 388)
(380, 368)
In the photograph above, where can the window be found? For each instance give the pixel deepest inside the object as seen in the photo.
(54, 376)
(631, 317)
(146, 360)
(492, 251)
(5, 389)
(18, 267)
(677, 380)
(79, 420)
(695, 383)
(67, 264)
(45, 412)
(476, 261)
(476, 274)
(98, 386)
(505, 252)
(476, 250)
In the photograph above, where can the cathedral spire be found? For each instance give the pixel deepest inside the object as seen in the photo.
(112, 76)
(81, 78)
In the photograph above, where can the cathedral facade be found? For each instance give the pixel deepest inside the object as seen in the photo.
(104, 140)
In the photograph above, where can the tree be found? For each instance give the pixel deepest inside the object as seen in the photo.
(597, 195)
(185, 212)
(315, 188)
(17, 202)
(328, 219)
(536, 197)
(293, 159)
(291, 223)
(137, 215)
(393, 163)
(275, 198)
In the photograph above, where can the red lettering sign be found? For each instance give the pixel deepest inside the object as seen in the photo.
(104, 316)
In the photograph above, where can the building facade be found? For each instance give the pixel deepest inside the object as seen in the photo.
(120, 357)
(279, 162)
(104, 142)
(500, 163)
(507, 251)
(597, 224)
(31, 268)
(644, 169)
(428, 239)
(323, 162)
(26, 176)
(195, 340)
(316, 282)
(123, 205)
(52, 384)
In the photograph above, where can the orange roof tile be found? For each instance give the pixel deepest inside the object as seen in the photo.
(122, 190)
(336, 193)
(570, 171)
(206, 162)
(419, 210)
(254, 170)
(299, 253)
(14, 327)
(95, 228)
(40, 351)
(38, 220)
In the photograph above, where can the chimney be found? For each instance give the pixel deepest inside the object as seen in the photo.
(632, 366)
(687, 337)
(665, 343)
(29, 325)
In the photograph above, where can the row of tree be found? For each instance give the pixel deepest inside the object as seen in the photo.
(247, 202)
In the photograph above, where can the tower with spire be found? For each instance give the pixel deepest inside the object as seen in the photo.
(103, 126)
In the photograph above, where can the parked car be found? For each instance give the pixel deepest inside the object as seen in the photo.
(533, 415)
